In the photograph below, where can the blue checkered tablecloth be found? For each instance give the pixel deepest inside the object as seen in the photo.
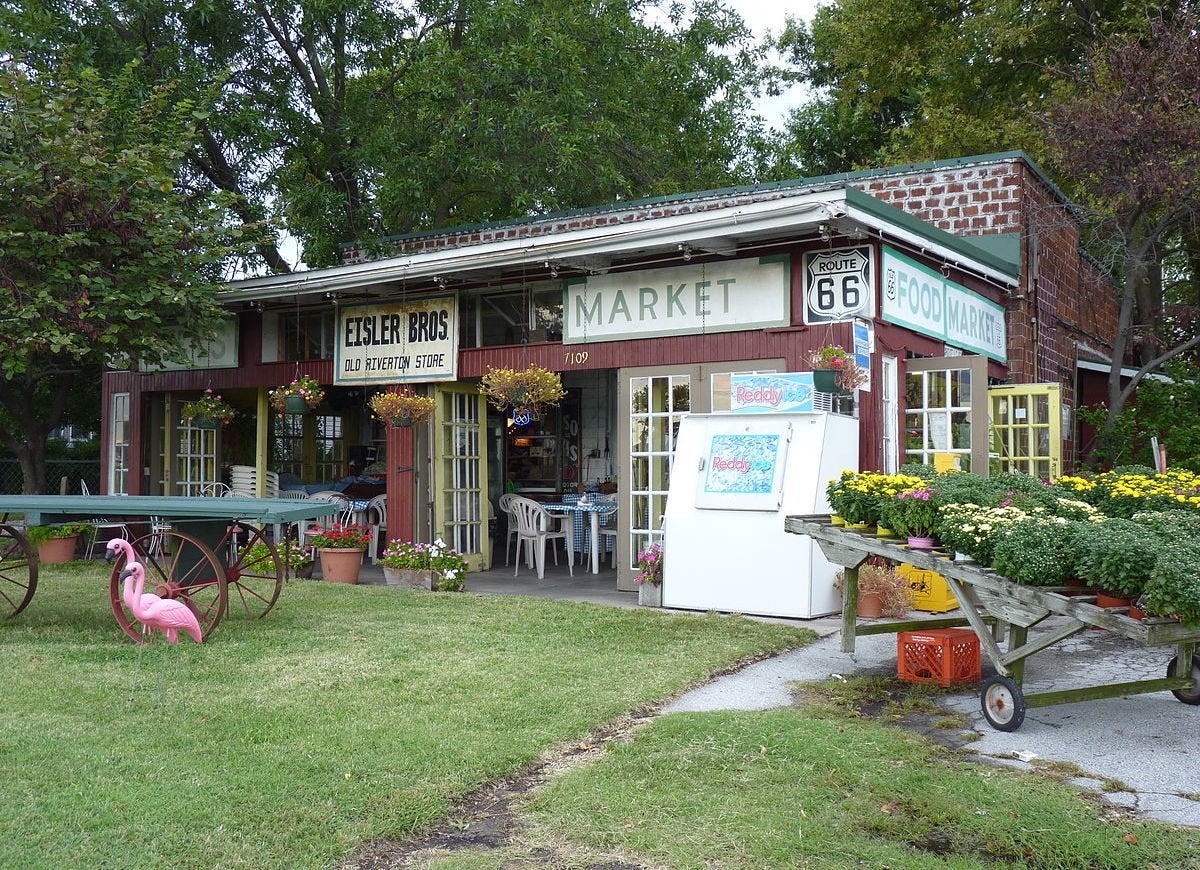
(580, 520)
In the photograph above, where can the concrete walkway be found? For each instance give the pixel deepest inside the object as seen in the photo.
(1140, 752)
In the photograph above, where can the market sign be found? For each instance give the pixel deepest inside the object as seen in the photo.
(414, 341)
(771, 393)
(926, 302)
(838, 285)
(722, 296)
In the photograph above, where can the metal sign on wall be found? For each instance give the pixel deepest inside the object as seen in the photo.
(707, 297)
(838, 285)
(414, 341)
(218, 352)
(927, 302)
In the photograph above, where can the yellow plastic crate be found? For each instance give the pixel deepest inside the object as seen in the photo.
(930, 591)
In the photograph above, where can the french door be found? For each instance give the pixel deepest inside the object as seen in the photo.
(460, 474)
(1027, 429)
(946, 413)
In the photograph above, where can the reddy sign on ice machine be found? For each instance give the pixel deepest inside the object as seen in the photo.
(734, 478)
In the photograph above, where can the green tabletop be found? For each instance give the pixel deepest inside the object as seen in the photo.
(47, 509)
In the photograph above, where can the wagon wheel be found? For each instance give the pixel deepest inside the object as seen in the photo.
(177, 566)
(18, 571)
(1192, 695)
(254, 583)
(1003, 703)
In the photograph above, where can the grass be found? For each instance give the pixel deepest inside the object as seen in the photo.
(802, 787)
(348, 713)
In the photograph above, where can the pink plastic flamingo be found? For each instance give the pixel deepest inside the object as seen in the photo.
(120, 545)
(166, 614)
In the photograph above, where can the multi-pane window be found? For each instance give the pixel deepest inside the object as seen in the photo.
(195, 459)
(118, 460)
(328, 460)
(461, 483)
(657, 405)
(307, 335)
(938, 416)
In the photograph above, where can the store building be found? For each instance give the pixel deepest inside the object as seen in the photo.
(962, 284)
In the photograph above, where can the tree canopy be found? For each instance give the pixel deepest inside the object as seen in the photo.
(353, 121)
(102, 256)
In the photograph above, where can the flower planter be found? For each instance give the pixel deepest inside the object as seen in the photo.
(205, 424)
(919, 543)
(408, 578)
(57, 551)
(1103, 599)
(825, 381)
(340, 564)
(295, 405)
(650, 594)
(870, 605)
(402, 422)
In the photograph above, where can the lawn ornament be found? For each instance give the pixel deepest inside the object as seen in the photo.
(166, 614)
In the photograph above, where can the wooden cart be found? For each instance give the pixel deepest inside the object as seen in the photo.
(994, 606)
(198, 554)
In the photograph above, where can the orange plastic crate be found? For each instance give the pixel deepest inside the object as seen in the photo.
(944, 656)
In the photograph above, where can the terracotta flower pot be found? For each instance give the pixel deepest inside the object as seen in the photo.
(870, 605)
(340, 564)
(57, 551)
(1103, 599)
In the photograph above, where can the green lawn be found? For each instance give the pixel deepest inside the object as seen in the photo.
(348, 713)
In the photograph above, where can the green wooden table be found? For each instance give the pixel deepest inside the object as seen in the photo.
(199, 550)
(991, 604)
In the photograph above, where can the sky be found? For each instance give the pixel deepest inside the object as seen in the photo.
(763, 16)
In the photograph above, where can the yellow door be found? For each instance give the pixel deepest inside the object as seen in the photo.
(460, 473)
(1026, 429)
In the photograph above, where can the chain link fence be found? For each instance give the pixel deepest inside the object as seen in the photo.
(74, 470)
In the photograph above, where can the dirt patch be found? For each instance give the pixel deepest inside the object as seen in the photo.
(485, 819)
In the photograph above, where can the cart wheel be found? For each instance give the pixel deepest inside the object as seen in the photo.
(18, 571)
(177, 566)
(1192, 695)
(254, 584)
(1003, 703)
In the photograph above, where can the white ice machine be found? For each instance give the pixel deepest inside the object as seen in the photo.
(734, 478)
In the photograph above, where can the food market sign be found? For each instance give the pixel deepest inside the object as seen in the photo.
(926, 302)
(710, 297)
(414, 341)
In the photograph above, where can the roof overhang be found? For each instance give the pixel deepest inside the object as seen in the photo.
(722, 229)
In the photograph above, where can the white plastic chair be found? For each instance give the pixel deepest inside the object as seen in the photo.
(338, 514)
(537, 527)
(504, 503)
(377, 523)
(102, 523)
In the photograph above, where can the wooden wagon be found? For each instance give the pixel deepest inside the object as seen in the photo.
(994, 607)
(194, 549)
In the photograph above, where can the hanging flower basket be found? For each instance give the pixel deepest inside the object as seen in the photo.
(402, 408)
(299, 397)
(834, 370)
(208, 412)
(532, 387)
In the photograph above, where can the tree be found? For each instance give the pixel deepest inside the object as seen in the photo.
(102, 256)
(911, 80)
(1127, 131)
(353, 121)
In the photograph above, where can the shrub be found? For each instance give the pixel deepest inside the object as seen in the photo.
(1173, 587)
(1116, 556)
(1037, 551)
